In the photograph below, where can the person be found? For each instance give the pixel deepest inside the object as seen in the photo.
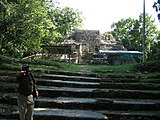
(25, 98)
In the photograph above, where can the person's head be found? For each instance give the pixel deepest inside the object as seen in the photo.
(25, 67)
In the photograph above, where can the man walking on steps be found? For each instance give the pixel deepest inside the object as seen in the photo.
(26, 93)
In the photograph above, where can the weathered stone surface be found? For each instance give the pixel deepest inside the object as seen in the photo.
(72, 97)
(57, 114)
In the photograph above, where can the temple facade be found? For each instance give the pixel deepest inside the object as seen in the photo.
(86, 43)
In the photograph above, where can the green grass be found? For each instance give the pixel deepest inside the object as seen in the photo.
(49, 66)
(99, 69)
(41, 64)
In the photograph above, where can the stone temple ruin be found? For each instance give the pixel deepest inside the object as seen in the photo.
(87, 44)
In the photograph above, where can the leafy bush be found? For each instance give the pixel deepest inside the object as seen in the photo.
(153, 66)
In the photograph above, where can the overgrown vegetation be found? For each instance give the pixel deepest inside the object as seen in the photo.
(152, 66)
(26, 25)
(49, 66)
(125, 75)
(129, 33)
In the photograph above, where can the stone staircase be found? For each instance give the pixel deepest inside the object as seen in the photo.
(72, 97)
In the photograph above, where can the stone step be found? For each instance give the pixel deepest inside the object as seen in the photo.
(69, 97)
(50, 91)
(64, 83)
(134, 80)
(131, 86)
(109, 76)
(63, 114)
(92, 103)
(98, 79)
(67, 77)
(131, 115)
(97, 103)
(107, 85)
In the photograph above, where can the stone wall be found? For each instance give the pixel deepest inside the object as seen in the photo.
(88, 42)
(88, 37)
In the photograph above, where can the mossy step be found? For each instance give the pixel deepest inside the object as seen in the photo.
(62, 83)
(86, 78)
(97, 104)
(66, 77)
(92, 103)
(51, 91)
(130, 86)
(97, 79)
(108, 85)
(8, 73)
(132, 115)
(63, 114)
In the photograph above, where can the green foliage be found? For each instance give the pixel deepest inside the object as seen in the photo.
(26, 25)
(38, 65)
(66, 20)
(153, 66)
(47, 66)
(156, 6)
(129, 33)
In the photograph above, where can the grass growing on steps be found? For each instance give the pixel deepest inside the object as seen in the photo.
(8, 66)
(49, 66)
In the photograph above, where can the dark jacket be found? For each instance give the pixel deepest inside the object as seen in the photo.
(26, 82)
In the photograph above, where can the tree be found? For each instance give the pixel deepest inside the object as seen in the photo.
(125, 32)
(28, 24)
(6, 28)
(151, 35)
(66, 20)
(129, 33)
(156, 6)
